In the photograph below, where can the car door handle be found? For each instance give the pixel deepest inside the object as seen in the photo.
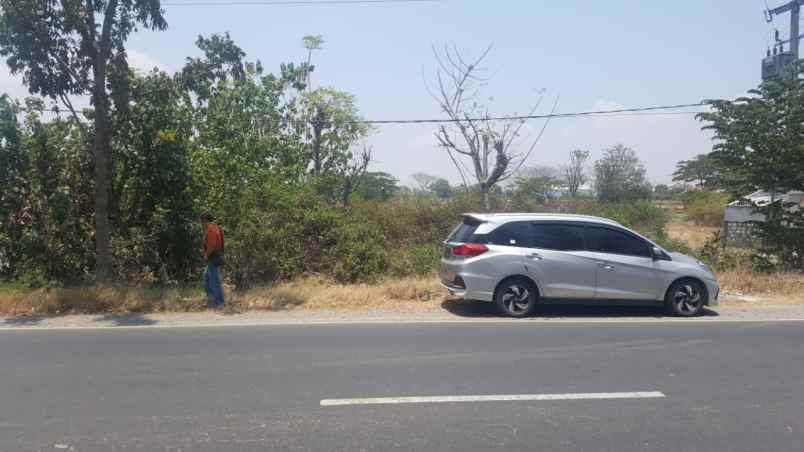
(535, 256)
(605, 265)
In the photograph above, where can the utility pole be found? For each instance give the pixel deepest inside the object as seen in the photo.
(774, 65)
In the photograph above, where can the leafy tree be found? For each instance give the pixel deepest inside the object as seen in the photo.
(45, 197)
(758, 138)
(74, 47)
(378, 186)
(661, 191)
(759, 144)
(152, 187)
(701, 169)
(244, 132)
(538, 188)
(441, 188)
(13, 166)
(575, 171)
(620, 176)
(433, 184)
(334, 128)
(424, 181)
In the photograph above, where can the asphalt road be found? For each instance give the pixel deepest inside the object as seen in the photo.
(735, 387)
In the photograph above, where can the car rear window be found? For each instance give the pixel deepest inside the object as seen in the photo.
(463, 233)
(516, 233)
(561, 237)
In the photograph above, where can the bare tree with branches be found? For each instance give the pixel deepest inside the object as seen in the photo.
(355, 171)
(494, 148)
(575, 171)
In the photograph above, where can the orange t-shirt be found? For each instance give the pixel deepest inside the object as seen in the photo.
(213, 239)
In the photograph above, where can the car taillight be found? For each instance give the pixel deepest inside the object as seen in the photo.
(469, 249)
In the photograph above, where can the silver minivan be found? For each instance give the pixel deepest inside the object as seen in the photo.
(520, 260)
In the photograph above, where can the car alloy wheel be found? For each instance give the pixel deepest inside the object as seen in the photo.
(687, 299)
(517, 298)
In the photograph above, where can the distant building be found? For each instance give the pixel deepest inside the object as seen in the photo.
(583, 190)
(741, 215)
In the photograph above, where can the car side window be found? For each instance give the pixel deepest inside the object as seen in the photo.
(555, 236)
(516, 233)
(606, 240)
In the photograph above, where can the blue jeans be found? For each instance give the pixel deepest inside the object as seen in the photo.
(212, 283)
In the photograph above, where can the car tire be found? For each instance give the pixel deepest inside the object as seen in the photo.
(516, 297)
(686, 298)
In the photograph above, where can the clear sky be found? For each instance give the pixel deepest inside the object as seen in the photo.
(593, 54)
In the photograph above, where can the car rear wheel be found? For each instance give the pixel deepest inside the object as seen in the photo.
(516, 297)
(686, 298)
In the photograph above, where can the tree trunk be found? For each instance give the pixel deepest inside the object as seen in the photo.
(318, 126)
(486, 199)
(101, 145)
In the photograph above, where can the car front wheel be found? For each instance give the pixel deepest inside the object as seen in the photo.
(686, 298)
(516, 297)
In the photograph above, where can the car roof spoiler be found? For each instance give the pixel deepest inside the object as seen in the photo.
(475, 217)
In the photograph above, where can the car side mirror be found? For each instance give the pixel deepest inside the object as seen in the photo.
(659, 254)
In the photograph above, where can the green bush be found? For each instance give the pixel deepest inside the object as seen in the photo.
(643, 216)
(359, 255)
(706, 208)
(421, 259)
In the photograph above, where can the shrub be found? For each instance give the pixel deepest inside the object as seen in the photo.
(418, 260)
(706, 208)
(359, 255)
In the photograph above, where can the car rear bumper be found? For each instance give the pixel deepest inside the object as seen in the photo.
(454, 291)
(467, 285)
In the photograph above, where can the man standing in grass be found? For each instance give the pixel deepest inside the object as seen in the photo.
(213, 254)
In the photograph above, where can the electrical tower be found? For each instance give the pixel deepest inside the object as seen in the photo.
(773, 65)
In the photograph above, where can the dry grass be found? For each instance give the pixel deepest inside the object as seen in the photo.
(694, 235)
(742, 282)
(786, 288)
(319, 293)
(305, 293)
(98, 299)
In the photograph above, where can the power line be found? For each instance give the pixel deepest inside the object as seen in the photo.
(632, 111)
(620, 112)
(290, 2)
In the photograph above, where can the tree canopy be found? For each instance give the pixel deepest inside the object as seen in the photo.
(703, 170)
(620, 176)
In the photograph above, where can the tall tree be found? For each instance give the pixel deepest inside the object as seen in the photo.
(537, 187)
(377, 186)
(759, 138)
(575, 171)
(701, 169)
(66, 48)
(334, 127)
(245, 131)
(620, 176)
(759, 144)
(311, 42)
(489, 145)
(424, 181)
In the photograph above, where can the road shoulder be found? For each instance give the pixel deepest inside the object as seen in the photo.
(456, 312)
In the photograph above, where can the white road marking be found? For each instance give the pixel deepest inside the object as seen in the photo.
(494, 398)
